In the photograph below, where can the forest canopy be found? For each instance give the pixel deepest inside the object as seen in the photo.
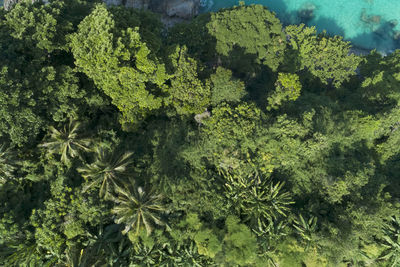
(229, 140)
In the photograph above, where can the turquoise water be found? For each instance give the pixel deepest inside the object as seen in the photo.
(367, 23)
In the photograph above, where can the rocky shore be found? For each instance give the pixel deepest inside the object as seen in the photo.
(173, 11)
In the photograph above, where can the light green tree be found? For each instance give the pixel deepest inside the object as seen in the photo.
(119, 63)
(240, 245)
(7, 164)
(187, 93)
(287, 87)
(327, 58)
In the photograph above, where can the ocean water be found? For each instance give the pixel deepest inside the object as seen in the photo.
(368, 24)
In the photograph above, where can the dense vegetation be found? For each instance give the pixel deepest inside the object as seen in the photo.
(226, 141)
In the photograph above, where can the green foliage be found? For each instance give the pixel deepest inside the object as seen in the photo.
(288, 87)
(327, 58)
(207, 243)
(240, 245)
(257, 198)
(227, 137)
(244, 155)
(306, 228)
(37, 83)
(47, 222)
(67, 142)
(137, 207)
(381, 79)
(391, 242)
(7, 164)
(254, 29)
(120, 63)
(187, 93)
(224, 88)
(105, 170)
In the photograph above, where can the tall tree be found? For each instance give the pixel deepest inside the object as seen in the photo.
(254, 29)
(225, 88)
(391, 242)
(137, 207)
(67, 141)
(327, 58)
(120, 63)
(7, 164)
(188, 94)
(105, 171)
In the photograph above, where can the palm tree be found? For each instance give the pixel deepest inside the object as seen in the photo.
(256, 197)
(105, 170)
(67, 141)
(7, 164)
(306, 229)
(391, 242)
(137, 207)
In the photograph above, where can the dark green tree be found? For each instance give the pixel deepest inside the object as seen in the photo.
(225, 88)
(391, 242)
(67, 142)
(252, 28)
(137, 207)
(105, 171)
(7, 164)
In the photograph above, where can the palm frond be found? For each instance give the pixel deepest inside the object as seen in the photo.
(105, 171)
(137, 207)
(67, 142)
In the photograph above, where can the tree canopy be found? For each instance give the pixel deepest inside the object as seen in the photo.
(228, 140)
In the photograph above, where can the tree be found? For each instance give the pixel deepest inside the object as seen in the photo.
(240, 245)
(67, 142)
(105, 171)
(120, 63)
(287, 87)
(391, 242)
(252, 28)
(306, 229)
(228, 137)
(7, 164)
(38, 85)
(327, 58)
(137, 207)
(188, 94)
(225, 88)
(257, 198)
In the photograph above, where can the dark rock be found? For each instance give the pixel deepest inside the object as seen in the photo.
(393, 23)
(306, 12)
(369, 19)
(381, 32)
(396, 35)
(376, 19)
(184, 9)
(140, 4)
(8, 4)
